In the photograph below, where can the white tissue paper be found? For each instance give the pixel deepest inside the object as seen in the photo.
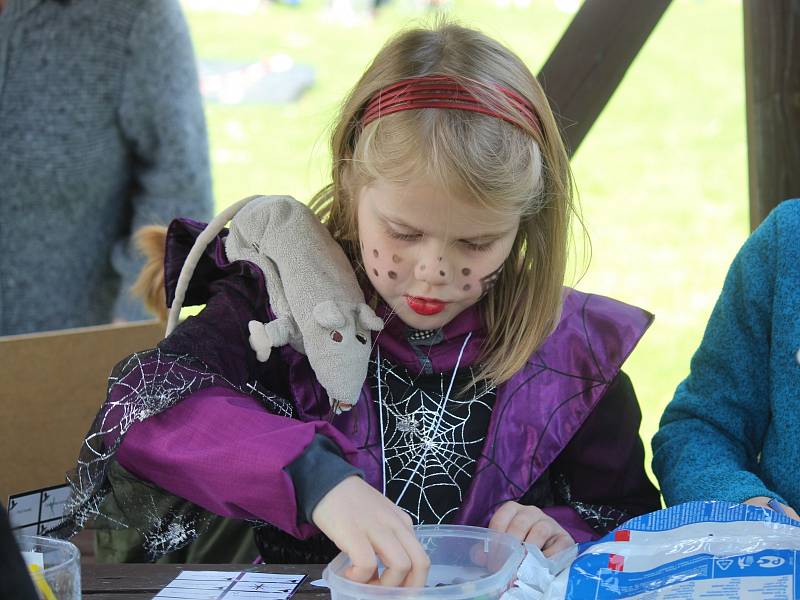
(693, 550)
(537, 573)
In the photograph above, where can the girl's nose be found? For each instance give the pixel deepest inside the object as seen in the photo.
(434, 268)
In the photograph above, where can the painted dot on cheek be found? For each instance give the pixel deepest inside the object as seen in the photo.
(375, 253)
(465, 272)
(392, 275)
(375, 272)
(396, 259)
(467, 287)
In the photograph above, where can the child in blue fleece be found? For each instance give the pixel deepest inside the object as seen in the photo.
(732, 431)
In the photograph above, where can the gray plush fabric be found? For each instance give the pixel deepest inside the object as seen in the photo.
(319, 307)
(313, 292)
(101, 131)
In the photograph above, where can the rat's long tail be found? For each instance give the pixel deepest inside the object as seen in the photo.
(204, 239)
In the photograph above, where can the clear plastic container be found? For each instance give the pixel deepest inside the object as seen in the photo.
(61, 576)
(467, 563)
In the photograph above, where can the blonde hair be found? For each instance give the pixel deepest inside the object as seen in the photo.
(520, 168)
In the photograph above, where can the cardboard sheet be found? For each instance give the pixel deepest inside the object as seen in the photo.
(51, 387)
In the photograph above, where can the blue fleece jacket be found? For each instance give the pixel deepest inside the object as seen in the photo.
(732, 431)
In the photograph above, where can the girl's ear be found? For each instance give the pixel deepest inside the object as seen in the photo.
(368, 319)
(328, 315)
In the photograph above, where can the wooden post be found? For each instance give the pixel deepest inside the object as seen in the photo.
(591, 58)
(772, 81)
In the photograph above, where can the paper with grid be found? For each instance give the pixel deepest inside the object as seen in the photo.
(216, 585)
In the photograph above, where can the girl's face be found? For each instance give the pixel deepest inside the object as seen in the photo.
(428, 254)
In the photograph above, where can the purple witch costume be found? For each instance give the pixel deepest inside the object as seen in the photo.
(200, 417)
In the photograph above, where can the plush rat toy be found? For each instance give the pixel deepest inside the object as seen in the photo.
(318, 305)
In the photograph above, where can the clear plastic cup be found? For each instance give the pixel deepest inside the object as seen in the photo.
(467, 563)
(61, 576)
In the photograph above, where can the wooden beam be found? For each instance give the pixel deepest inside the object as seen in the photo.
(591, 58)
(772, 82)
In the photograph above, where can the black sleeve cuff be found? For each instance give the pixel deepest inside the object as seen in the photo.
(316, 472)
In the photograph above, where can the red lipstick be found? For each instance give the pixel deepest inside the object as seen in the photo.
(425, 306)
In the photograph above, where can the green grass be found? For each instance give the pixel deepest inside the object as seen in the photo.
(661, 176)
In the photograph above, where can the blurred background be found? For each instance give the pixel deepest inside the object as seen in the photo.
(662, 175)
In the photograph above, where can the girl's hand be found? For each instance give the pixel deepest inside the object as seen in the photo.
(763, 501)
(366, 525)
(531, 525)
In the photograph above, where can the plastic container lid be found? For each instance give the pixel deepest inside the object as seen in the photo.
(467, 563)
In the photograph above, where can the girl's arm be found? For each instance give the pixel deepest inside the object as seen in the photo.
(219, 447)
(600, 475)
(221, 450)
(711, 433)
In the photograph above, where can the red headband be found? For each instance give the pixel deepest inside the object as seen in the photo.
(440, 91)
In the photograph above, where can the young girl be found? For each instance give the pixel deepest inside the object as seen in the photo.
(494, 395)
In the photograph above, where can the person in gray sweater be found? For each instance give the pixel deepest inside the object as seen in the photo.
(101, 132)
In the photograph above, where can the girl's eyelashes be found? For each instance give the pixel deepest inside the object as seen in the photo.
(477, 246)
(413, 237)
(407, 237)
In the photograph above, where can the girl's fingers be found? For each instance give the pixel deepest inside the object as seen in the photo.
(406, 520)
(396, 561)
(478, 555)
(764, 501)
(523, 522)
(541, 532)
(365, 563)
(502, 517)
(420, 562)
(792, 513)
(500, 521)
(557, 543)
(759, 501)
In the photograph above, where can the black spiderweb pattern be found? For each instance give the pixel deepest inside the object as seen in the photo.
(142, 385)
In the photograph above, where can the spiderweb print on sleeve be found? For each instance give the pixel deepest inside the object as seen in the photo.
(143, 385)
(600, 517)
(433, 434)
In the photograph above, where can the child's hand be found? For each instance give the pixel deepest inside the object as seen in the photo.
(763, 501)
(363, 523)
(531, 525)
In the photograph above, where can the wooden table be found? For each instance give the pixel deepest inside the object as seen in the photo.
(143, 581)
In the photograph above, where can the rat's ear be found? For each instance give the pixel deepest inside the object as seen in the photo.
(368, 319)
(328, 315)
